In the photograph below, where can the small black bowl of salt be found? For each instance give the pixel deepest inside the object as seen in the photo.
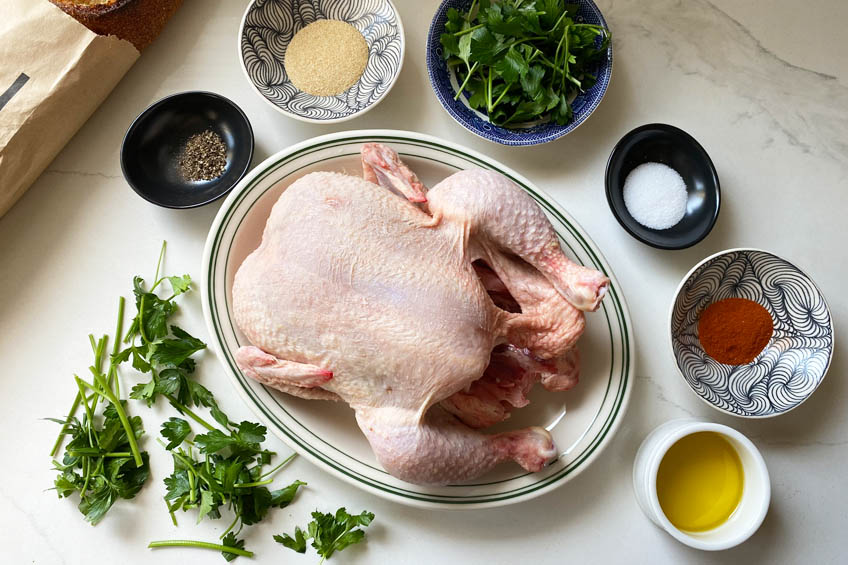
(662, 187)
(187, 150)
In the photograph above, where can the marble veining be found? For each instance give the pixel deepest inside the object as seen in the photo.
(808, 107)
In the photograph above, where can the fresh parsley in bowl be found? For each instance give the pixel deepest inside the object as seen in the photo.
(519, 72)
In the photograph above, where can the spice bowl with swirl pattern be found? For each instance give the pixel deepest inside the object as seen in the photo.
(795, 360)
(267, 29)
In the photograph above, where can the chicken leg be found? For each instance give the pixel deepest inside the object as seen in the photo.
(440, 449)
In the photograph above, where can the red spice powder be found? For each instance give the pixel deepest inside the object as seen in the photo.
(734, 331)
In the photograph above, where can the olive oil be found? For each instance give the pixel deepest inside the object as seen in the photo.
(700, 482)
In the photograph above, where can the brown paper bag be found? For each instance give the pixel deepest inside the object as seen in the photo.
(54, 73)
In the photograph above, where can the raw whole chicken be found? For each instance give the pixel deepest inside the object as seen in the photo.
(431, 313)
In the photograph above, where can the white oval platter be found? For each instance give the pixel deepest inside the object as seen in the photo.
(326, 432)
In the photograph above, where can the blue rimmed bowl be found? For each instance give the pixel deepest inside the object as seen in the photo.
(796, 359)
(445, 85)
(267, 29)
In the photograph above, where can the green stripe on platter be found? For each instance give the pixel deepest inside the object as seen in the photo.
(396, 491)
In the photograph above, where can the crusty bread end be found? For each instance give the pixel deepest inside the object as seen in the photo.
(137, 21)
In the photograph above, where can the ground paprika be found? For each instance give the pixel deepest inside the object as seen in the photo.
(734, 331)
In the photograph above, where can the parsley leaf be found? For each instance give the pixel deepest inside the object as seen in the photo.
(231, 542)
(173, 351)
(283, 497)
(297, 543)
(175, 430)
(180, 284)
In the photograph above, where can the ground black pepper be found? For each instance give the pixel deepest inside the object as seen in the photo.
(203, 157)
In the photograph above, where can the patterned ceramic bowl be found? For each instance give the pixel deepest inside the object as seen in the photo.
(269, 25)
(445, 85)
(797, 356)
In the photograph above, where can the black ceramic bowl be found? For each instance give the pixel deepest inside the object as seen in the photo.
(661, 143)
(151, 148)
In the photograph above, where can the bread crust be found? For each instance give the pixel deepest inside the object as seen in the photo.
(137, 21)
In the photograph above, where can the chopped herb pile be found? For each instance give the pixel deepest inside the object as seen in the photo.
(223, 469)
(522, 60)
(102, 461)
(329, 532)
(220, 467)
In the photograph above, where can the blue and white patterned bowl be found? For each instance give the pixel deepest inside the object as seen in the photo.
(444, 85)
(794, 362)
(269, 25)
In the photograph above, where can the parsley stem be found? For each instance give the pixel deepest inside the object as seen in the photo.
(462, 86)
(88, 413)
(471, 15)
(255, 484)
(278, 467)
(567, 55)
(192, 472)
(489, 92)
(182, 408)
(544, 60)
(556, 25)
(116, 347)
(122, 415)
(231, 526)
(171, 512)
(159, 263)
(86, 468)
(94, 452)
(468, 30)
(200, 545)
(505, 90)
(64, 429)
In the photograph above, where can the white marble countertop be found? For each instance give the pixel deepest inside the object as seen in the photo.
(762, 85)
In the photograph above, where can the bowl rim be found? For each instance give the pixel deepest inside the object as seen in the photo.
(665, 128)
(670, 341)
(431, 44)
(155, 106)
(356, 114)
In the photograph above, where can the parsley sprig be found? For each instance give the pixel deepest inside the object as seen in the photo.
(161, 350)
(522, 60)
(329, 532)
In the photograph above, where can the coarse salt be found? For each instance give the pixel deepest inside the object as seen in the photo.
(655, 195)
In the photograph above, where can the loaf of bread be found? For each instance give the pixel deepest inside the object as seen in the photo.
(137, 21)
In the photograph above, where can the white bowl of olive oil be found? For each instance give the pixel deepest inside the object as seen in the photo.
(705, 484)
